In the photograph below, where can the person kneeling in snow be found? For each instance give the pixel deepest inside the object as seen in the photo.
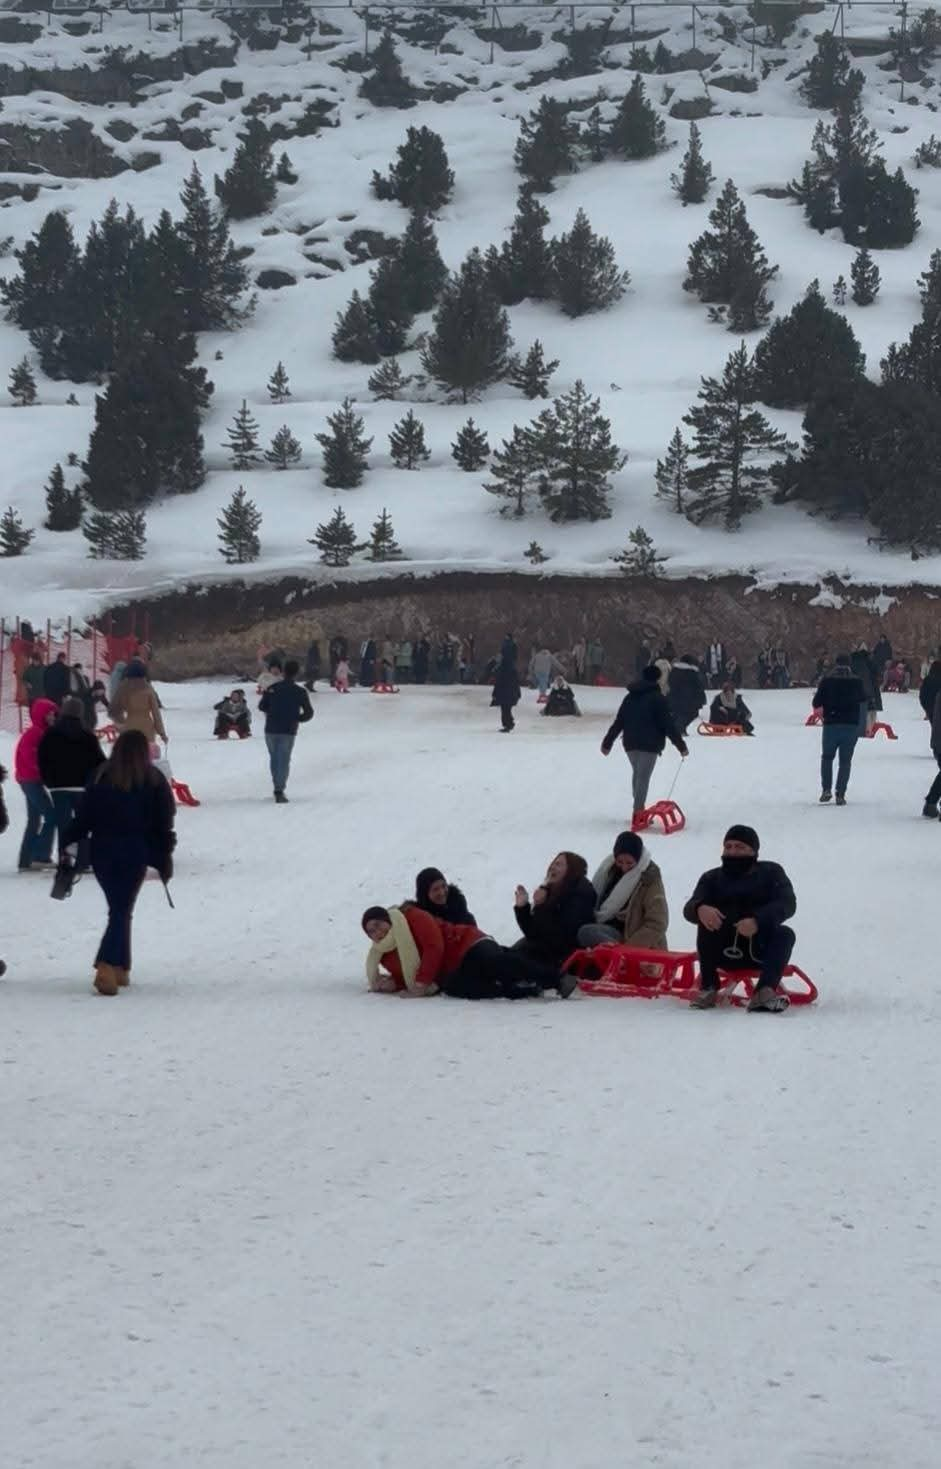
(441, 898)
(740, 911)
(423, 955)
(561, 700)
(728, 707)
(632, 905)
(232, 712)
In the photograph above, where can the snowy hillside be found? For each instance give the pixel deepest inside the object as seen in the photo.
(643, 357)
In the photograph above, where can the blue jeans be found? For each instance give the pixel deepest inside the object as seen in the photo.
(65, 804)
(36, 845)
(279, 758)
(838, 739)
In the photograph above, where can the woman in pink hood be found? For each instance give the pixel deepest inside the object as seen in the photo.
(36, 847)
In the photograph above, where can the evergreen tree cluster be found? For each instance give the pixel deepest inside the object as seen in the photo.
(249, 185)
(728, 268)
(14, 536)
(917, 362)
(566, 457)
(119, 535)
(420, 178)
(578, 269)
(407, 280)
(551, 142)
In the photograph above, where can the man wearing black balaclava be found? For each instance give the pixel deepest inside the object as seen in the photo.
(740, 911)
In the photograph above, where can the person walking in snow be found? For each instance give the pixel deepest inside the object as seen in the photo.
(506, 694)
(442, 899)
(128, 813)
(312, 665)
(930, 688)
(136, 706)
(286, 706)
(728, 707)
(579, 660)
(56, 680)
(560, 906)
(36, 846)
(644, 723)
(631, 904)
(881, 656)
(542, 665)
(715, 663)
(423, 955)
(686, 692)
(68, 756)
(33, 679)
(740, 910)
(841, 698)
(862, 666)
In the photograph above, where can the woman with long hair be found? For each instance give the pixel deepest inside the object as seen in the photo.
(128, 812)
(560, 906)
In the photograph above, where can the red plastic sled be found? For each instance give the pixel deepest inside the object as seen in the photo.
(719, 729)
(543, 699)
(668, 814)
(887, 730)
(814, 717)
(182, 794)
(619, 972)
(108, 732)
(384, 688)
(746, 978)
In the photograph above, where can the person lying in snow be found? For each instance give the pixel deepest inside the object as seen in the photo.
(422, 955)
(740, 911)
(560, 906)
(232, 712)
(632, 905)
(561, 699)
(435, 895)
(728, 707)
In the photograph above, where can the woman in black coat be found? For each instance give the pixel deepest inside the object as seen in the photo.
(68, 755)
(506, 693)
(441, 898)
(559, 908)
(687, 692)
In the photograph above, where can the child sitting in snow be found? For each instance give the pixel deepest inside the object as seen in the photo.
(232, 712)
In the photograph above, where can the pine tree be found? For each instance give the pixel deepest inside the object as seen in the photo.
(355, 336)
(830, 80)
(864, 273)
(336, 540)
(212, 277)
(120, 535)
(729, 435)
(285, 449)
(640, 557)
(546, 145)
(421, 269)
(672, 473)
(382, 544)
(727, 264)
(637, 130)
(917, 362)
(63, 506)
(694, 179)
(248, 187)
(577, 436)
(585, 273)
(512, 471)
(345, 448)
(839, 291)
(804, 352)
(522, 267)
(929, 287)
(532, 374)
(388, 304)
(420, 178)
(243, 444)
(387, 85)
(535, 554)
(407, 443)
(594, 137)
(817, 192)
(388, 381)
(42, 299)
(471, 448)
(14, 537)
(239, 524)
(22, 387)
(469, 345)
(279, 385)
(284, 173)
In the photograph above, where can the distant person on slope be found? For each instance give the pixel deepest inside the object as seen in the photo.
(631, 902)
(442, 899)
(741, 910)
(232, 713)
(68, 755)
(285, 706)
(686, 693)
(561, 700)
(841, 698)
(422, 955)
(644, 723)
(506, 692)
(728, 707)
(36, 846)
(136, 706)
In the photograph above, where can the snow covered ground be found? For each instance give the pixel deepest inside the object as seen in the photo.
(644, 357)
(253, 1216)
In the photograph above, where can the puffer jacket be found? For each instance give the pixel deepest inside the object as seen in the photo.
(26, 755)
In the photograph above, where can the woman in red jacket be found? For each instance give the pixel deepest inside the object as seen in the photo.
(422, 955)
(36, 846)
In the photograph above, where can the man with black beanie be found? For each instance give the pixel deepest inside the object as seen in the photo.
(740, 911)
(644, 723)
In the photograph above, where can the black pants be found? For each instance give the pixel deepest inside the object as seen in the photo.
(120, 882)
(769, 952)
(490, 972)
(506, 715)
(934, 795)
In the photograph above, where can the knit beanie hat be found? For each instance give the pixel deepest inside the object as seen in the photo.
(628, 844)
(381, 913)
(651, 674)
(746, 834)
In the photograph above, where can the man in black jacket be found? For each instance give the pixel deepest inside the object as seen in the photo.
(740, 911)
(644, 723)
(842, 698)
(285, 706)
(55, 683)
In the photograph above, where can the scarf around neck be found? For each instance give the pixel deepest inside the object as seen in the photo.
(399, 938)
(623, 890)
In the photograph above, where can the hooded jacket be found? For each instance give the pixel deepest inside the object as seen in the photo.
(644, 721)
(26, 754)
(68, 754)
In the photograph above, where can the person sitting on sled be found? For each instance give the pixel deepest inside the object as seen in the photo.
(740, 910)
(632, 905)
(561, 699)
(424, 955)
(232, 712)
(728, 707)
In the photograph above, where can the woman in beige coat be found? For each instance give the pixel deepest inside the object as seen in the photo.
(135, 705)
(632, 904)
